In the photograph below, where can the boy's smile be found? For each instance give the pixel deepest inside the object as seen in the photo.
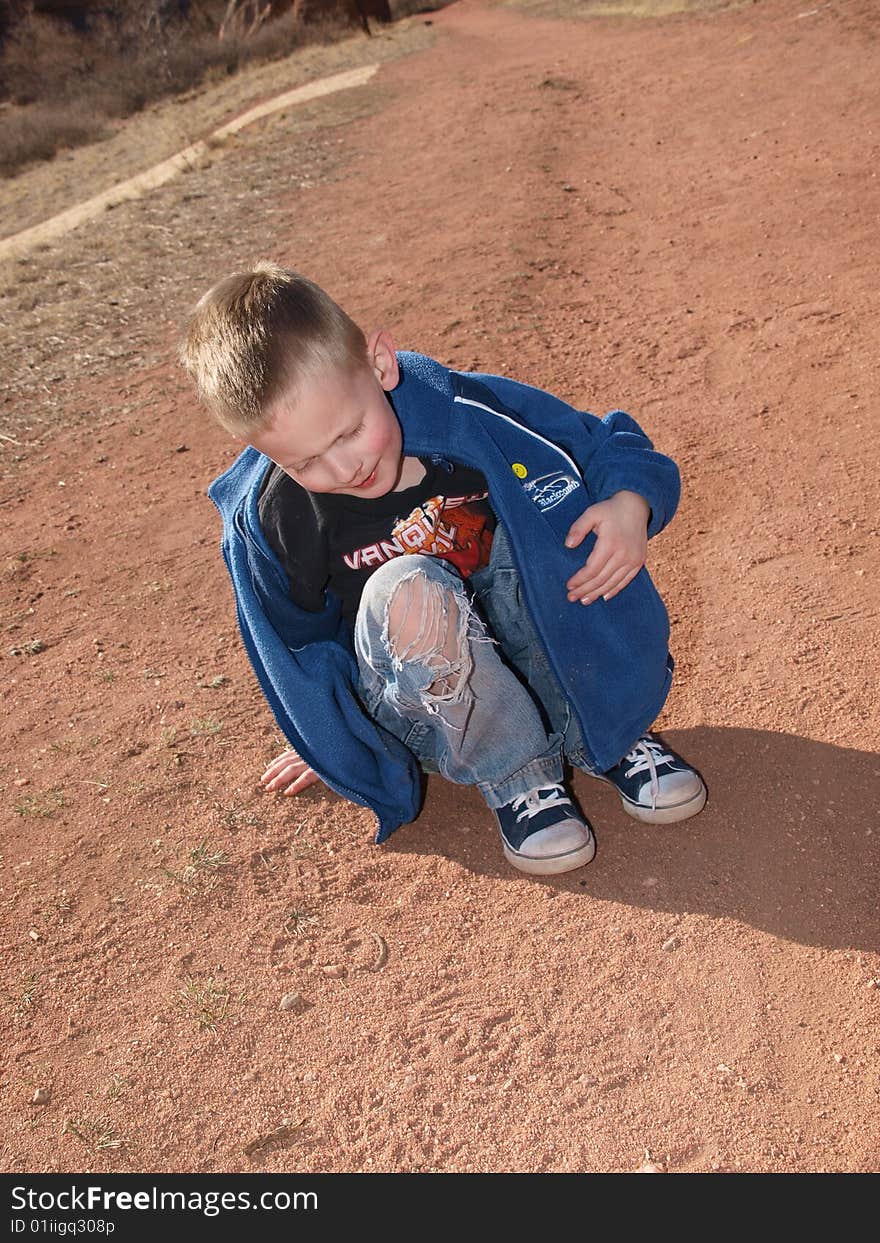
(337, 432)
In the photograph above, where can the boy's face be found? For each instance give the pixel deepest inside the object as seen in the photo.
(337, 431)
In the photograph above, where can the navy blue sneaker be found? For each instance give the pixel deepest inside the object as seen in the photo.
(542, 832)
(655, 784)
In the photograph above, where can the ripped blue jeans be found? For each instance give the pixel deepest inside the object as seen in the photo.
(454, 669)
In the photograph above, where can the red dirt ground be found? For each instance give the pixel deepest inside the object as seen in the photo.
(675, 216)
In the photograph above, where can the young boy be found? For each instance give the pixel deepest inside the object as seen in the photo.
(438, 571)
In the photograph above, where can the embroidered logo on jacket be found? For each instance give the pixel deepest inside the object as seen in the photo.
(548, 491)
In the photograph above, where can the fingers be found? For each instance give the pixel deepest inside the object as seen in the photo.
(587, 581)
(283, 761)
(288, 774)
(618, 583)
(284, 776)
(308, 778)
(613, 578)
(581, 528)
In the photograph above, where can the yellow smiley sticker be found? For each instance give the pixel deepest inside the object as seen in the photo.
(519, 470)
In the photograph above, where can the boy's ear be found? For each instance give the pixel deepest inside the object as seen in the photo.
(383, 358)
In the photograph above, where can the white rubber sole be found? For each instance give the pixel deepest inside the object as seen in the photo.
(554, 864)
(663, 815)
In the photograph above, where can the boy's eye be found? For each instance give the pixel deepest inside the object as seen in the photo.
(351, 435)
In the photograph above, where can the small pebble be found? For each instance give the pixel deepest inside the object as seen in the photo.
(840, 1058)
(41, 1096)
(293, 1001)
(334, 972)
(671, 943)
(22, 781)
(34, 935)
(650, 1167)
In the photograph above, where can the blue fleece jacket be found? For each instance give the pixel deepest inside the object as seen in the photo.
(544, 464)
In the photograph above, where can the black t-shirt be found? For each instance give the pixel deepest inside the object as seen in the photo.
(447, 514)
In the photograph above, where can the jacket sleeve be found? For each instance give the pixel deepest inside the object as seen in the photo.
(305, 666)
(612, 454)
(308, 674)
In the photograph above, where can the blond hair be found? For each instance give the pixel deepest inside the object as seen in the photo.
(258, 333)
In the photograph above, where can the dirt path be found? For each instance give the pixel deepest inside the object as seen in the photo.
(675, 216)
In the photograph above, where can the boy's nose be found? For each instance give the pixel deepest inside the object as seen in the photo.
(344, 463)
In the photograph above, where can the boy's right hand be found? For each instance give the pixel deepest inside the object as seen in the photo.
(289, 774)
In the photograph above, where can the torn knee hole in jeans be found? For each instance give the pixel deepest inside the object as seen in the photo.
(434, 626)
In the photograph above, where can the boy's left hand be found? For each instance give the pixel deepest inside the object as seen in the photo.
(621, 526)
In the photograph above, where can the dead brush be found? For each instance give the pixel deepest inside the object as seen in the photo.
(203, 862)
(300, 923)
(42, 130)
(98, 1133)
(22, 1002)
(66, 88)
(205, 1000)
(41, 806)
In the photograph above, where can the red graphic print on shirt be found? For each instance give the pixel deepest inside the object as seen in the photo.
(453, 528)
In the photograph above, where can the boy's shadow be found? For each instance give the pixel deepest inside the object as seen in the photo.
(789, 840)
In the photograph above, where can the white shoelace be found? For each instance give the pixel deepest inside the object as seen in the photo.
(648, 754)
(532, 803)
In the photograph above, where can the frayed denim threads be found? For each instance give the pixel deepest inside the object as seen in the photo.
(430, 674)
